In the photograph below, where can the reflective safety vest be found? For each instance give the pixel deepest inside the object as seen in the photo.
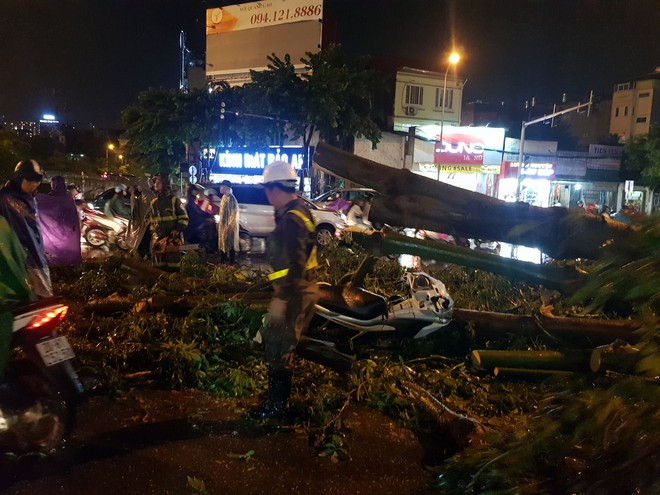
(312, 261)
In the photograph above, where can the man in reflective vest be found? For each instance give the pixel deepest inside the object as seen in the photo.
(292, 252)
(168, 221)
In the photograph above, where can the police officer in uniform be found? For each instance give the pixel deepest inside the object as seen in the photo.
(292, 252)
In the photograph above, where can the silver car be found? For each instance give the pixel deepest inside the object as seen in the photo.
(257, 219)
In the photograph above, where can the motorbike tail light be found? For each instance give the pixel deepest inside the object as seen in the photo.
(47, 316)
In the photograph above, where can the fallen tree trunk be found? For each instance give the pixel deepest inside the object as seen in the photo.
(182, 305)
(410, 200)
(579, 332)
(569, 360)
(386, 241)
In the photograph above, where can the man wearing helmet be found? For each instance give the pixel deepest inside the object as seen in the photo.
(168, 221)
(19, 208)
(116, 206)
(292, 252)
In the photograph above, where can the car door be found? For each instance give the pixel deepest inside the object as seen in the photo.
(256, 215)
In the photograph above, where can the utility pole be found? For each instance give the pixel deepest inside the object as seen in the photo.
(525, 125)
(183, 80)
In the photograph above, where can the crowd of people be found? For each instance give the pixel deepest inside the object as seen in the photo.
(25, 238)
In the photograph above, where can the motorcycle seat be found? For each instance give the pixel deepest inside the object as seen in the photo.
(354, 302)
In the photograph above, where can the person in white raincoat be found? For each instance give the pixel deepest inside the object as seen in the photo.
(228, 226)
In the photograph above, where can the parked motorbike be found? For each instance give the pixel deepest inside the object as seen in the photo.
(41, 388)
(100, 230)
(346, 314)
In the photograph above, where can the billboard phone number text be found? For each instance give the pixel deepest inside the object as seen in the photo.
(286, 14)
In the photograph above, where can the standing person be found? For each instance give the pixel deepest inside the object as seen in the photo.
(292, 252)
(13, 288)
(201, 227)
(138, 242)
(59, 221)
(228, 225)
(18, 206)
(168, 221)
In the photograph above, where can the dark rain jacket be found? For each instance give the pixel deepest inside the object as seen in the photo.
(292, 250)
(20, 211)
(167, 215)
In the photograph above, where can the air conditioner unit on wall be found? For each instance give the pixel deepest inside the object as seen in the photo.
(409, 110)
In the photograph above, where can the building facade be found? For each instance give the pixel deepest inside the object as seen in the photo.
(635, 106)
(418, 99)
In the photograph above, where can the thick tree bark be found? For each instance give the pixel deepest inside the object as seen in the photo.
(578, 332)
(568, 360)
(410, 200)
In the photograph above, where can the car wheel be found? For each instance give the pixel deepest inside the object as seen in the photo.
(324, 235)
(245, 242)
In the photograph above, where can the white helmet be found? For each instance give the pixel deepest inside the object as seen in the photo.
(281, 173)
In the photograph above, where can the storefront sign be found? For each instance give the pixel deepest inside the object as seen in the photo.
(472, 146)
(251, 161)
(531, 170)
(603, 157)
(457, 169)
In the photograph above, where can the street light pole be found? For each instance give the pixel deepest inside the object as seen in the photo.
(525, 125)
(453, 60)
(108, 148)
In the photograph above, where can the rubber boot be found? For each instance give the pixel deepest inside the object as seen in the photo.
(277, 396)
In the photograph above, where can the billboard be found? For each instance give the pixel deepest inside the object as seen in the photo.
(240, 37)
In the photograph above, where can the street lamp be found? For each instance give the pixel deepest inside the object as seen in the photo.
(109, 147)
(453, 60)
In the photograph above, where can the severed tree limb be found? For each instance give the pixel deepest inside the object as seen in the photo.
(461, 428)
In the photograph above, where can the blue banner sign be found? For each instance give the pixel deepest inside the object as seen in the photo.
(251, 161)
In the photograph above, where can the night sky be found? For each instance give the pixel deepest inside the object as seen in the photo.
(86, 60)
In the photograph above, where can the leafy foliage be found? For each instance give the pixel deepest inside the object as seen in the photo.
(596, 441)
(642, 157)
(597, 435)
(333, 95)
